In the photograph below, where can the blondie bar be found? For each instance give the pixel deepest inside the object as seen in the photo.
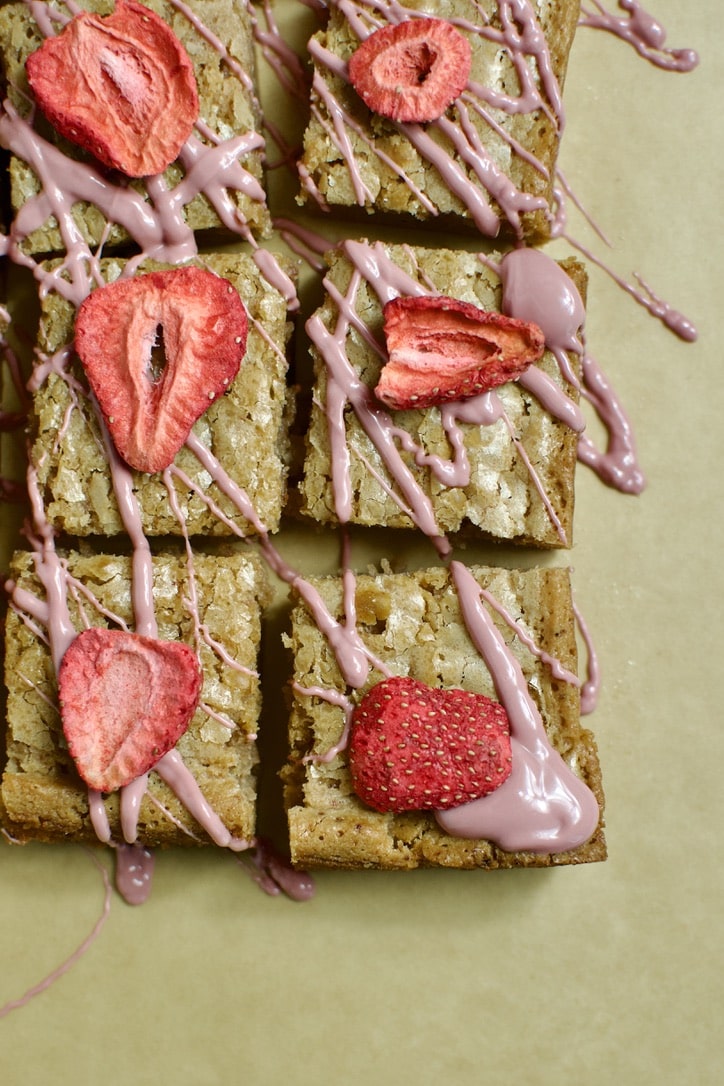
(234, 478)
(489, 159)
(213, 604)
(217, 179)
(501, 465)
(506, 634)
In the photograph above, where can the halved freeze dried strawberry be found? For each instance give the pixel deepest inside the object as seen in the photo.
(158, 350)
(415, 748)
(411, 71)
(121, 87)
(442, 349)
(125, 701)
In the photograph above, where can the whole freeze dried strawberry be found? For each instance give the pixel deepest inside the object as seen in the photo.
(415, 748)
(411, 71)
(158, 351)
(121, 87)
(125, 701)
(442, 349)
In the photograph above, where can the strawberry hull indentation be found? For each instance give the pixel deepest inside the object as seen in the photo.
(125, 701)
(416, 748)
(441, 349)
(412, 71)
(158, 350)
(122, 87)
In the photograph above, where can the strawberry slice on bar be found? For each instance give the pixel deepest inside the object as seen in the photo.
(122, 87)
(416, 748)
(158, 350)
(411, 71)
(441, 349)
(125, 701)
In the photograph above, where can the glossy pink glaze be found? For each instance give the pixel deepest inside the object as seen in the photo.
(537, 289)
(543, 806)
(591, 687)
(134, 873)
(672, 319)
(642, 31)
(185, 787)
(275, 875)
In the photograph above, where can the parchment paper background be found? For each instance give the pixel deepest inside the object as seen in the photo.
(606, 973)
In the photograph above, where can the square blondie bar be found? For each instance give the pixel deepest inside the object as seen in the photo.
(415, 625)
(245, 431)
(225, 152)
(489, 160)
(212, 604)
(510, 479)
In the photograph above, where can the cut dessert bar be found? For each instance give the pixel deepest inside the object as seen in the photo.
(244, 432)
(210, 603)
(501, 465)
(488, 159)
(414, 625)
(217, 179)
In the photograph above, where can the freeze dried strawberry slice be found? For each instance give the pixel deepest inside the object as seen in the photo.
(411, 71)
(125, 701)
(158, 351)
(415, 748)
(442, 349)
(121, 87)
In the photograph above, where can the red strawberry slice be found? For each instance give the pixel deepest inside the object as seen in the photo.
(411, 71)
(158, 351)
(442, 349)
(121, 87)
(125, 701)
(415, 748)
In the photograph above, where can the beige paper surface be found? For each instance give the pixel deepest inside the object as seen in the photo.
(604, 973)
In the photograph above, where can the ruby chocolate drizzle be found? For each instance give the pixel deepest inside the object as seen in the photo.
(642, 31)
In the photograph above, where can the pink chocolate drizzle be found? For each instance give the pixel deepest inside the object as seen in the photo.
(134, 873)
(536, 289)
(642, 31)
(72, 959)
(274, 874)
(543, 806)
